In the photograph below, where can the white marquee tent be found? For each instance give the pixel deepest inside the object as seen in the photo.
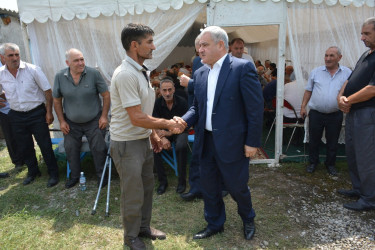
(296, 30)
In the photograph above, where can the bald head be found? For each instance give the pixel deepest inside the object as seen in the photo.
(75, 61)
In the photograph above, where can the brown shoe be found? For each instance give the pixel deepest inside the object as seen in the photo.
(135, 243)
(152, 233)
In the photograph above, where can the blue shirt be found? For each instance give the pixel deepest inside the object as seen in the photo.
(325, 88)
(6, 108)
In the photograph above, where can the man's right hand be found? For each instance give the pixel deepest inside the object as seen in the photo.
(184, 80)
(176, 126)
(303, 112)
(64, 127)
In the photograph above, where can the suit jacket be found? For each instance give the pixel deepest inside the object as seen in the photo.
(237, 112)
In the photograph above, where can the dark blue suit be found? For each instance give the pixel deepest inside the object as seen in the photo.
(237, 116)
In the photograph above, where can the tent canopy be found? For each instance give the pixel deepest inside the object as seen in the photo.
(94, 26)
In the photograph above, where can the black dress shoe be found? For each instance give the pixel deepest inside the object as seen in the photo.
(191, 196)
(332, 170)
(205, 233)
(52, 181)
(30, 179)
(71, 182)
(249, 230)
(356, 206)
(4, 175)
(181, 188)
(311, 168)
(161, 189)
(349, 193)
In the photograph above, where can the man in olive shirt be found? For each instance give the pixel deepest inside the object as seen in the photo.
(81, 112)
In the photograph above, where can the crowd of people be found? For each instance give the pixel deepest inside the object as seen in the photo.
(222, 96)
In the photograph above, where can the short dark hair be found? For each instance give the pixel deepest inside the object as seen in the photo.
(134, 32)
(237, 40)
(166, 79)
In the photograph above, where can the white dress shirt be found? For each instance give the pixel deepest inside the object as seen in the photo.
(213, 76)
(25, 91)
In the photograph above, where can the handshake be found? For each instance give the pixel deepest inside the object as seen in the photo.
(176, 125)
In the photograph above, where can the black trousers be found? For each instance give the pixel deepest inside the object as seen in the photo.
(10, 140)
(332, 123)
(24, 126)
(181, 153)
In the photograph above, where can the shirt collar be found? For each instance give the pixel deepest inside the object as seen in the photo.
(339, 68)
(22, 65)
(67, 72)
(218, 62)
(135, 64)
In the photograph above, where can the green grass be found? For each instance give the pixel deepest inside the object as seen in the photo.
(34, 217)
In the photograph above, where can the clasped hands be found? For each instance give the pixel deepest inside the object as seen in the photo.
(177, 125)
(344, 104)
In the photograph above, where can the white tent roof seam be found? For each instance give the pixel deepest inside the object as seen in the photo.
(43, 10)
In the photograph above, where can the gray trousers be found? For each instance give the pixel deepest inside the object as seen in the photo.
(134, 163)
(360, 152)
(73, 143)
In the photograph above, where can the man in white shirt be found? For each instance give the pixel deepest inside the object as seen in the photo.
(237, 47)
(30, 98)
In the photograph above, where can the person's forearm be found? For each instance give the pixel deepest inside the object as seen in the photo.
(106, 103)
(341, 92)
(49, 100)
(306, 98)
(362, 95)
(58, 109)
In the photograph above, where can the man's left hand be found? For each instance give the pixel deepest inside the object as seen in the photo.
(250, 151)
(103, 122)
(49, 118)
(156, 143)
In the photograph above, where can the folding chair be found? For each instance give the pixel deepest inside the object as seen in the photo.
(171, 160)
(285, 125)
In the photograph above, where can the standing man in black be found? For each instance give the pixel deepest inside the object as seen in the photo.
(357, 100)
(167, 106)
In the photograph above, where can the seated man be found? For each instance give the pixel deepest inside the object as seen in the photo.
(293, 95)
(167, 106)
(83, 113)
(262, 80)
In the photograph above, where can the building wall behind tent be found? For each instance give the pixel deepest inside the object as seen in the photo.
(12, 33)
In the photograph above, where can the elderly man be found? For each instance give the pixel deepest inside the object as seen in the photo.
(357, 99)
(227, 113)
(323, 85)
(167, 106)
(30, 98)
(10, 140)
(132, 103)
(78, 107)
(237, 47)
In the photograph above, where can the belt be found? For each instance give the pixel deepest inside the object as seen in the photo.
(208, 132)
(41, 106)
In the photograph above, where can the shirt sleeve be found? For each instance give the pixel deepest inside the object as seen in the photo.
(56, 87)
(310, 82)
(41, 79)
(128, 88)
(100, 83)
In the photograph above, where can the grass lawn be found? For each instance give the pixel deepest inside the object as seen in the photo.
(36, 217)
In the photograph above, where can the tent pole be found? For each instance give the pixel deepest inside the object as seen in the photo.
(25, 37)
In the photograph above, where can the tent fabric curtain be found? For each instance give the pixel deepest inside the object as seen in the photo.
(311, 29)
(100, 38)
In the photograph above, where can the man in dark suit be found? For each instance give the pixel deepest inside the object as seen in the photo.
(227, 113)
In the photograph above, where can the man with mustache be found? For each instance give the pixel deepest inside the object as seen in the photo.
(30, 98)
